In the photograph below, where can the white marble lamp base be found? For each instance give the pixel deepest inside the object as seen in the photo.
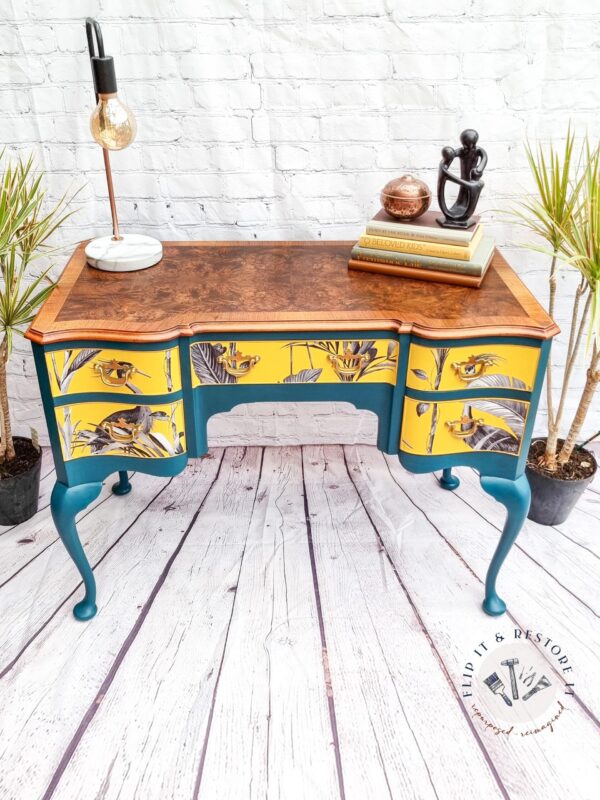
(132, 252)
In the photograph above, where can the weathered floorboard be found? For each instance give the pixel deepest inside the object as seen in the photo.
(23, 543)
(430, 566)
(51, 579)
(271, 712)
(376, 652)
(47, 694)
(573, 567)
(168, 678)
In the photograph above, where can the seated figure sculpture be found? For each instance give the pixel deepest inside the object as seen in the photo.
(473, 160)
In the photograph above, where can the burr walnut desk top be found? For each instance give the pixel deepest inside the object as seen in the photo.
(236, 287)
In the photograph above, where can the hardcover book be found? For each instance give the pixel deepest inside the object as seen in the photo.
(472, 281)
(437, 249)
(424, 228)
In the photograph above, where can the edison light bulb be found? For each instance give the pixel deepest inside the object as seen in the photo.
(112, 124)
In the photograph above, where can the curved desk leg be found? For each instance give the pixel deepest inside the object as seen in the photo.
(122, 486)
(66, 502)
(515, 496)
(448, 480)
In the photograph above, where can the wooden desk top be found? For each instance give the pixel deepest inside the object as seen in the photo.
(232, 287)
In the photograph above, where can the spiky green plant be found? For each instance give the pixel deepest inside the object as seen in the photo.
(580, 248)
(25, 228)
(564, 212)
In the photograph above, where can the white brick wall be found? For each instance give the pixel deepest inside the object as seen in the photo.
(283, 119)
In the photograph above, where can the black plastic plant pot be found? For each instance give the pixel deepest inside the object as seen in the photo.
(19, 494)
(553, 499)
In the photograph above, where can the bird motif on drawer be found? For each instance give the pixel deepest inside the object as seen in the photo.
(126, 431)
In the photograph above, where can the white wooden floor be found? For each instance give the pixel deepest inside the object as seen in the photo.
(266, 631)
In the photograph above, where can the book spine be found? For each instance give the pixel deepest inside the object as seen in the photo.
(415, 261)
(422, 248)
(416, 274)
(443, 236)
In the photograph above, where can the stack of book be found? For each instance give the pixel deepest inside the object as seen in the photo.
(422, 249)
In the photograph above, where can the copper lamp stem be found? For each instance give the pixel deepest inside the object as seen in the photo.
(111, 196)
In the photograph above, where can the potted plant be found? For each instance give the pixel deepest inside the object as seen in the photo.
(25, 227)
(566, 214)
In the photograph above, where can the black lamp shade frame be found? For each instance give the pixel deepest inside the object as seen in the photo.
(103, 66)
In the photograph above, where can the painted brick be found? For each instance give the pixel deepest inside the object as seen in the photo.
(323, 184)
(352, 8)
(423, 67)
(355, 66)
(490, 65)
(284, 129)
(177, 37)
(219, 95)
(291, 157)
(17, 100)
(252, 184)
(288, 65)
(207, 128)
(354, 128)
(200, 67)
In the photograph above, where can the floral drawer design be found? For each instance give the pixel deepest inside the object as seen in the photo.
(452, 368)
(97, 429)
(268, 362)
(489, 424)
(91, 369)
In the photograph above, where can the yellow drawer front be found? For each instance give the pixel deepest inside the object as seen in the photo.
(463, 426)
(332, 361)
(121, 429)
(109, 370)
(510, 366)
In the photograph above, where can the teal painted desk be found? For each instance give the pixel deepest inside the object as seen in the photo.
(132, 366)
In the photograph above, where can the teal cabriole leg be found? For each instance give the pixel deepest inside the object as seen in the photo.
(122, 486)
(515, 495)
(66, 503)
(448, 480)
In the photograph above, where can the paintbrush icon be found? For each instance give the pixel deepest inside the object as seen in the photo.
(496, 686)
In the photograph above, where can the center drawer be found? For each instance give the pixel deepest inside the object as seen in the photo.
(294, 361)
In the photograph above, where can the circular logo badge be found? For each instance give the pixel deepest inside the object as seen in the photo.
(518, 684)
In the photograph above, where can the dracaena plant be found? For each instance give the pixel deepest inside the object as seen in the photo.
(26, 224)
(565, 212)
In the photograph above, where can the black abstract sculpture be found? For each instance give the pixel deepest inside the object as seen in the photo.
(473, 160)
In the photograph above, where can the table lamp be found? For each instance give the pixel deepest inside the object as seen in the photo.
(113, 126)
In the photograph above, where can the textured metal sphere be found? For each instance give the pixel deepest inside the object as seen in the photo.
(406, 197)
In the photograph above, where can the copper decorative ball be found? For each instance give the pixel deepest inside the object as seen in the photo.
(406, 197)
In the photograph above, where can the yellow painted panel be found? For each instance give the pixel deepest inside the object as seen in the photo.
(121, 429)
(264, 362)
(468, 367)
(463, 426)
(112, 370)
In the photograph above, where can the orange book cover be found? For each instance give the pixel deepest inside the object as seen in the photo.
(456, 279)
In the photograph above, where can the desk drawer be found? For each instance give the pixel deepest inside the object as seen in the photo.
(93, 369)
(290, 361)
(460, 426)
(121, 429)
(450, 368)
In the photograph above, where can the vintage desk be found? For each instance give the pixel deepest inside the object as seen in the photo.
(131, 366)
